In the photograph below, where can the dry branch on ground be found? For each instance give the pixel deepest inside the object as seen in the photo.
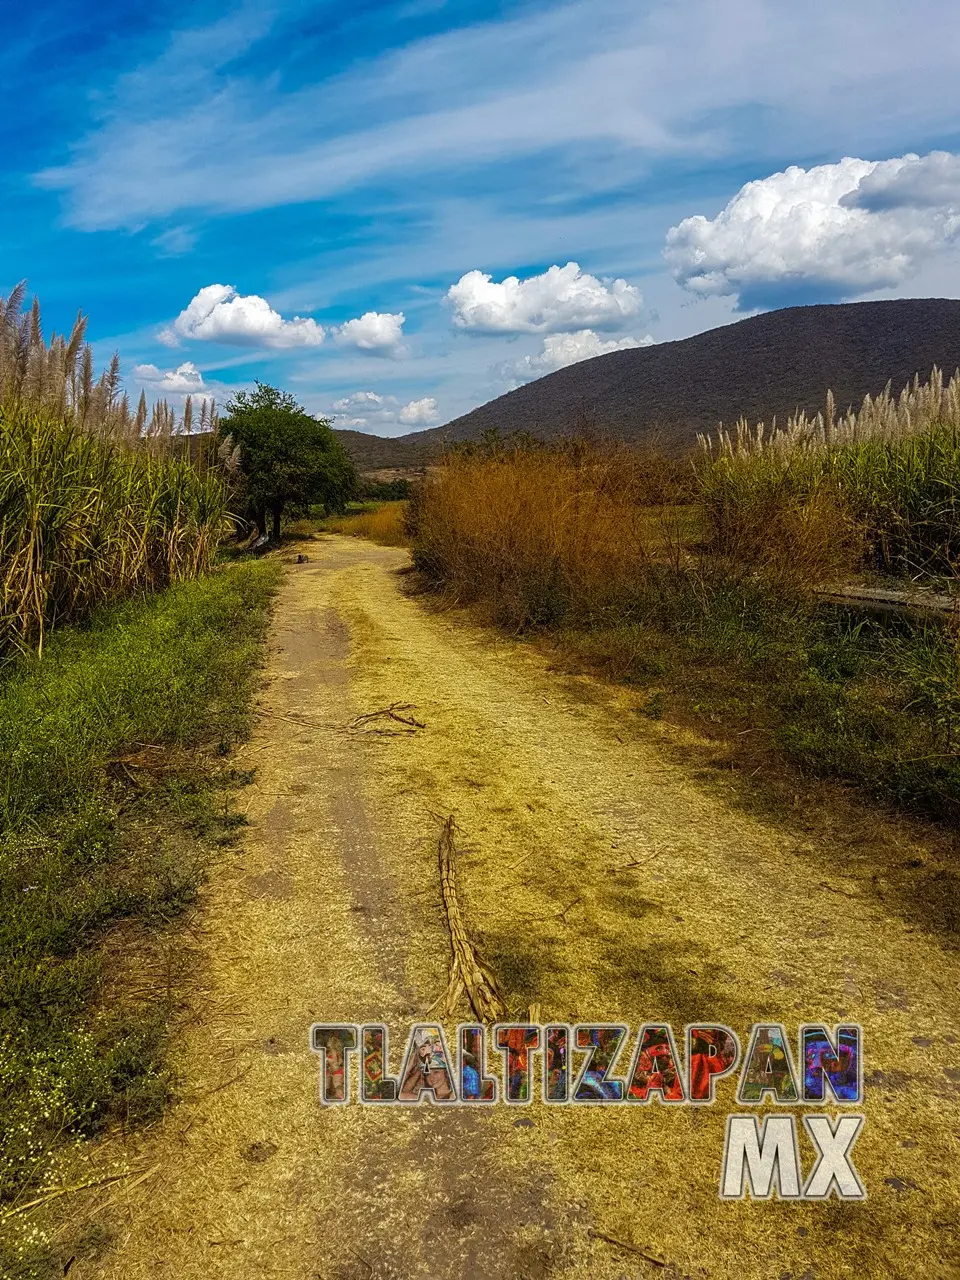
(468, 974)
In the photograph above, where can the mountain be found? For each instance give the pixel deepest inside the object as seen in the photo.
(769, 365)
(376, 453)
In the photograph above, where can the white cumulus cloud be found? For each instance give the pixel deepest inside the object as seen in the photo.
(219, 314)
(419, 413)
(824, 233)
(562, 349)
(185, 380)
(912, 182)
(562, 298)
(383, 415)
(358, 400)
(377, 332)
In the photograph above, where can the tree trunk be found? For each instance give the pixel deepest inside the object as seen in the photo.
(277, 510)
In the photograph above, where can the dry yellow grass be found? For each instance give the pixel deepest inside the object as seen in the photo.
(384, 525)
(535, 533)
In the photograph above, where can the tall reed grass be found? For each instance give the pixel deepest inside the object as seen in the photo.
(96, 500)
(882, 483)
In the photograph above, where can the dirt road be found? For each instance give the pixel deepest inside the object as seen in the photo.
(332, 911)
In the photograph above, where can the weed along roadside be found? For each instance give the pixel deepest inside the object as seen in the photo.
(129, 657)
(97, 502)
(117, 789)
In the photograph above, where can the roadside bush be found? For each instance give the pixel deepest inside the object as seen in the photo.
(537, 534)
(397, 490)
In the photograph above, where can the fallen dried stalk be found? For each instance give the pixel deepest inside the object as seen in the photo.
(468, 973)
(631, 1248)
(393, 713)
(629, 866)
(80, 1186)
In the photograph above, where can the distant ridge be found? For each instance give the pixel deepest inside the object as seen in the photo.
(371, 453)
(769, 365)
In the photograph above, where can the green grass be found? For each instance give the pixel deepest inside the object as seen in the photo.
(873, 700)
(114, 789)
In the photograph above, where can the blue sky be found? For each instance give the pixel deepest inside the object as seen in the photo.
(388, 195)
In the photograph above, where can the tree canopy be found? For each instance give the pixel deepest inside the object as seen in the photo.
(288, 459)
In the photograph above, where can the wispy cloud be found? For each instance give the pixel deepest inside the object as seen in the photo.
(175, 242)
(604, 77)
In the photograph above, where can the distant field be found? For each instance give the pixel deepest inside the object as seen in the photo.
(381, 522)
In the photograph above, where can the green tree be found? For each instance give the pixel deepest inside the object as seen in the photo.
(288, 460)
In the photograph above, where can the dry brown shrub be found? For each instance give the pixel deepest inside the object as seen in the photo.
(537, 533)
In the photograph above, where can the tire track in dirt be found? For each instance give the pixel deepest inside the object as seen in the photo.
(333, 912)
(308, 924)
